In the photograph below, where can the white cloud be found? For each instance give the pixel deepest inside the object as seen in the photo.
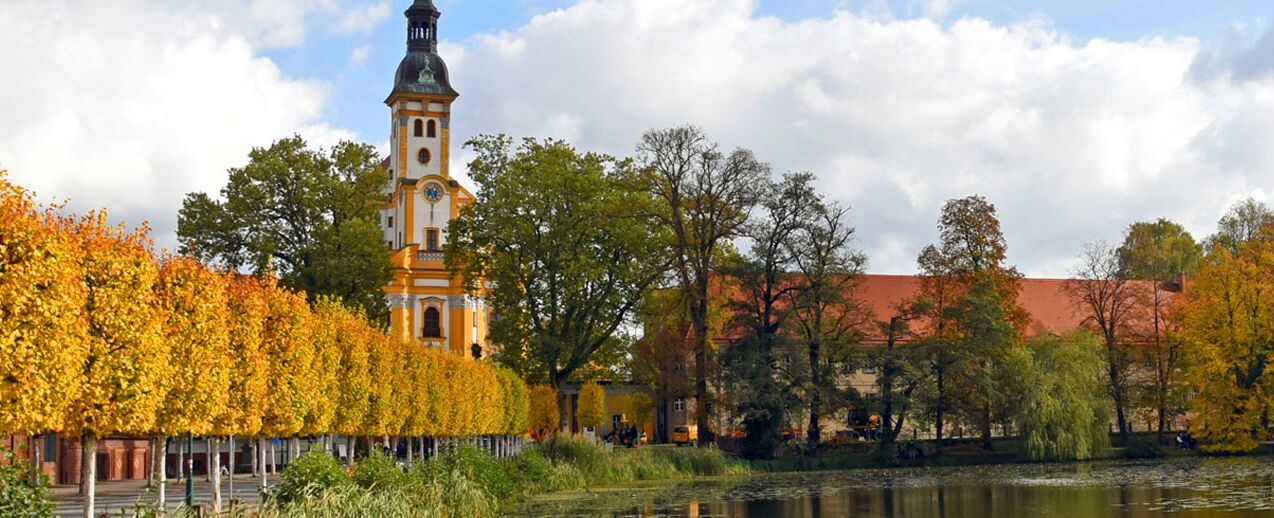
(1072, 140)
(363, 19)
(359, 55)
(131, 120)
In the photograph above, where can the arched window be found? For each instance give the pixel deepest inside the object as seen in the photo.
(433, 129)
(416, 131)
(433, 323)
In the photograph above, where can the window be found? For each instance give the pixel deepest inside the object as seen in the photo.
(417, 128)
(391, 222)
(679, 405)
(433, 323)
(433, 129)
(50, 453)
(389, 245)
(423, 155)
(391, 175)
(431, 239)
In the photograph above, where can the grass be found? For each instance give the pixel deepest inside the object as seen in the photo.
(468, 482)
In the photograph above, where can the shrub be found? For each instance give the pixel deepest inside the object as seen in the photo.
(1143, 448)
(19, 498)
(309, 476)
(378, 471)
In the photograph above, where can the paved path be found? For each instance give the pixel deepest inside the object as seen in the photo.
(126, 494)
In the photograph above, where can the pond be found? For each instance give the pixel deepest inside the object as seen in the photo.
(1196, 487)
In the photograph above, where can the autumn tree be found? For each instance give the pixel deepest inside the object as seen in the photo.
(903, 372)
(42, 297)
(126, 373)
(591, 406)
(309, 216)
(543, 410)
(1111, 305)
(355, 338)
(1160, 251)
(557, 242)
(972, 296)
(1227, 324)
(248, 384)
(704, 197)
(196, 327)
(1064, 414)
(287, 335)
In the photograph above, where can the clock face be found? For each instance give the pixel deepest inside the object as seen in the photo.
(433, 192)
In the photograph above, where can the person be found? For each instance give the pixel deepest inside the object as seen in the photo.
(612, 435)
(1181, 440)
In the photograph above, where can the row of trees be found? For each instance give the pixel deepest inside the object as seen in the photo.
(98, 336)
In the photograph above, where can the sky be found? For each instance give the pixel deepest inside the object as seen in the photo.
(1075, 118)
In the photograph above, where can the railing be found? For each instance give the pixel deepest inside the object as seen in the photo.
(429, 255)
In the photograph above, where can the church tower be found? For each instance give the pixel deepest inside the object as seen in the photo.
(427, 305)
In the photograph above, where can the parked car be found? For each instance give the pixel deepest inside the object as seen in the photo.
(685, 434)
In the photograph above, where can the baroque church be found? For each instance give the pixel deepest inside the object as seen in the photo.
(427, 304)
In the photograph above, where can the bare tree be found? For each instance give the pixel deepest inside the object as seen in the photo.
(706, 196)
(1110, 303)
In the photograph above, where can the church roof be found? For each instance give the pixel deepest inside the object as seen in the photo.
(422, 70)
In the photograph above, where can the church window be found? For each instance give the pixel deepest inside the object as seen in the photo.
(679, 405)
(423, 156)
(416, 129)
(433, 323)
(431, 239)
(432, 129)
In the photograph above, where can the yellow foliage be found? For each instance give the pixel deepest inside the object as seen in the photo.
(196, 327)
(325, 364)
(1227, 320)
(354, 341)
(42, 297)
(287, 343)
(126, 373)
(591, 407)
(544, 413)
(248, 382)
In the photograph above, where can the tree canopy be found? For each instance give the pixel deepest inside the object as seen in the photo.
(309, 216)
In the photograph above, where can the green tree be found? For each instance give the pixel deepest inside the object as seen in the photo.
(764, 389)
(1247, 220)
(1064, 414)
(309, 216)
(827, 317)
(705, 196)
(557, 243)
(1160, 251)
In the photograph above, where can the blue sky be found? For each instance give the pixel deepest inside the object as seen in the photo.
(1074, 118)
(359, 89)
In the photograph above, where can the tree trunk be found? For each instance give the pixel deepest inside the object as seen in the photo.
(410, 450)
(161, 472)
(214, 469)
(986, 425)
(88, 473)
(261, 463)
(231, 470)
(937, 445)
(699, 319)
(274, 467)
(816, 397)
(349, 450)
(887, 391)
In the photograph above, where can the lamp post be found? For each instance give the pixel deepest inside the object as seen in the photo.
(190, 470)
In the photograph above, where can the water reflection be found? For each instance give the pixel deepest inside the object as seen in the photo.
(1232, 488)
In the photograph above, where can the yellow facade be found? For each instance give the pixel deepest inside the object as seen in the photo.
(427, 305)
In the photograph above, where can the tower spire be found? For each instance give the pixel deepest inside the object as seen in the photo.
(422, 26)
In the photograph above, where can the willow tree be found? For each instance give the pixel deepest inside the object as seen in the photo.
(126, 373)
(1064, 415)
(196, 327)
(557, 242)
(42, 297)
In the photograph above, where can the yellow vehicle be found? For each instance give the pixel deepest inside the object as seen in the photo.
(685, 434)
